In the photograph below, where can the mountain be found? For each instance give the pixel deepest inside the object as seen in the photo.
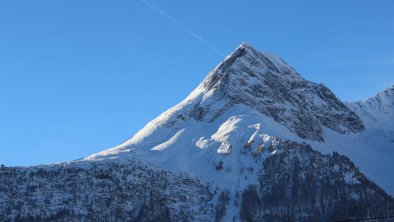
(251, 96)
(253, 142)
(377, 111)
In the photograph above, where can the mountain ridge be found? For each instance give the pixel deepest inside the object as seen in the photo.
(374, 108)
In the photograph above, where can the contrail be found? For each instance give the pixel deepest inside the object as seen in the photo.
(157, 9)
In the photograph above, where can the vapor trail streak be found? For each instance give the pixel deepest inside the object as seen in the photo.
(157, 9)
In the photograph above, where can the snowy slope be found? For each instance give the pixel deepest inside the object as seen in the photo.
(372, 150)
(377, 112)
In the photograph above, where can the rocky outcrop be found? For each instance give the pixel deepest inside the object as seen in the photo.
(269, 85)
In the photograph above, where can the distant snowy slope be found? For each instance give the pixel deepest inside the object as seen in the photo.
(373, 149)
(377, 112)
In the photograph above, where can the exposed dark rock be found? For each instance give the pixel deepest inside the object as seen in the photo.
(267, 84)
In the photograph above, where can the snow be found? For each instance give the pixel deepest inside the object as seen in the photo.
(169, 142)
(349, 179)
(198, 147)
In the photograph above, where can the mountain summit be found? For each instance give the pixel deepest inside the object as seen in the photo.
(249, 81)
(269, 85)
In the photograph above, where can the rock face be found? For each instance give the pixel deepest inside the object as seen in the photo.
(101, 191)
(267, 84)
(253, 142)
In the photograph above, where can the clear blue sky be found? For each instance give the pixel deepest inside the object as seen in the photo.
(80, 76)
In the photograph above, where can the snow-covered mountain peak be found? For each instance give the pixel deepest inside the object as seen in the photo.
(248, 59)
(249, 88)
(386, 98)
(376, 111)
(269, 85)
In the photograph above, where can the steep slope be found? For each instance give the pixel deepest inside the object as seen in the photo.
(267, 84)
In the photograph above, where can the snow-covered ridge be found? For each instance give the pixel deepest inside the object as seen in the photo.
(378, 110)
